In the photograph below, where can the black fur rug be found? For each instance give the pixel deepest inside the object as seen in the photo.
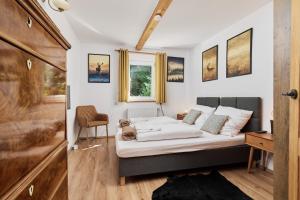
(199, 187)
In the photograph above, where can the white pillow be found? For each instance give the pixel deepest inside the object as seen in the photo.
(237, 119)
(206, 112)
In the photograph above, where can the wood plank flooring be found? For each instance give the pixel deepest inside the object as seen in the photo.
(93, 175)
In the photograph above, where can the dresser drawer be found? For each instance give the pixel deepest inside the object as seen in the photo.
(32, 107)
(62, 192)
(46, 184)
(260, 143)
(22, 27)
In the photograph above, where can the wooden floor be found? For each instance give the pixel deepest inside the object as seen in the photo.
(93, 175)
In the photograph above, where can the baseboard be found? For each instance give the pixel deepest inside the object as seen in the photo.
(98, 137)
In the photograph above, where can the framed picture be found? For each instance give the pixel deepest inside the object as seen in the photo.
(239, 54)
(210, 64)
(175, 69)
(98, 68)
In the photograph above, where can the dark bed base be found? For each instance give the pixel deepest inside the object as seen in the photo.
(198, 159)
(181, 161)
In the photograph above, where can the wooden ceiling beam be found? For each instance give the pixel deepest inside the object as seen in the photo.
(160, 9)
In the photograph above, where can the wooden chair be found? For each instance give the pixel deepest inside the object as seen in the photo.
(88, 117)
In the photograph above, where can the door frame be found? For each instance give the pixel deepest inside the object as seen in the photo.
(286, 110)
(294, 103)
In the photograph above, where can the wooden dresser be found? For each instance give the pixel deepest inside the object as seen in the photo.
(33, 146)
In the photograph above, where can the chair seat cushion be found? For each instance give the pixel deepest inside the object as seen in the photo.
(97, 123)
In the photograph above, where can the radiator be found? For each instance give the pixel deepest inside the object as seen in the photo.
(142, 112)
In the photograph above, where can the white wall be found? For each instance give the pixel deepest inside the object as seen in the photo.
(259, 83)
(73, 65)
(104, 96)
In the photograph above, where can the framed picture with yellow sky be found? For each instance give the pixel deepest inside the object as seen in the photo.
(210, 64)
(239, 54)
(98, 68)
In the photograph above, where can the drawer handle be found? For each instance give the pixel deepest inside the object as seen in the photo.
(29, 64)
(29, 22)
(262, 144)
(30, 190)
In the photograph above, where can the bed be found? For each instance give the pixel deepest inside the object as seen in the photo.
(140, 158)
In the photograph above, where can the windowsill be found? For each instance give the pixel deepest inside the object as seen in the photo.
(141, 101)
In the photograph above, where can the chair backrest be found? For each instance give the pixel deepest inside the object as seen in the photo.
(88, 112)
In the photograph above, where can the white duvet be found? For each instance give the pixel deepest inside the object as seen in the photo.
(154, 120)
(163, 128)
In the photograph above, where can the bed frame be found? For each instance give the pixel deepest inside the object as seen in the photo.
(203, 158)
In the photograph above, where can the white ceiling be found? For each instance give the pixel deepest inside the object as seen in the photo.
(185, 24)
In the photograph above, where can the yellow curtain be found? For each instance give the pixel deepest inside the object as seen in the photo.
(160, 77)
(123, 75)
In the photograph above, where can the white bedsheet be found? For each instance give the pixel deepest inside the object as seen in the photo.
(126, 149)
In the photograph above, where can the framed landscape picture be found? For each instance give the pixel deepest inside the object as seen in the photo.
(98, 68)
(239, 54)
(175, 71)
(210, 64)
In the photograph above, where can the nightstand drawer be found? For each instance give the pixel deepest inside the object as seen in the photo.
(260, 143)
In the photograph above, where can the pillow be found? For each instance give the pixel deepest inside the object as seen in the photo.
(214, 124)
(237, 119)
(206, 112)
(191, 117)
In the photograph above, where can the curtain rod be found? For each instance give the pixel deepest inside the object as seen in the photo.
(141, 52)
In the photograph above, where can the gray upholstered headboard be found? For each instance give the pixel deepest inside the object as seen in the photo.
(245, 103)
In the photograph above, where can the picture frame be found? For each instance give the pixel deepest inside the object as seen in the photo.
(239, 54)
(175, 69)
(98, 68)
(210, 62)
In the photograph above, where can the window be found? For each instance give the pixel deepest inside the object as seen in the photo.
(141, 77)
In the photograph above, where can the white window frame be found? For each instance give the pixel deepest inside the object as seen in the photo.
(142, 59)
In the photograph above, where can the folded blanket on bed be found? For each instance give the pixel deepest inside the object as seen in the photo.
(128, 133)
(147, 130)
(167, 132)
(124, 122)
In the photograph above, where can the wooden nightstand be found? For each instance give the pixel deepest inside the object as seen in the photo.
(180, 116)
(262, 141)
